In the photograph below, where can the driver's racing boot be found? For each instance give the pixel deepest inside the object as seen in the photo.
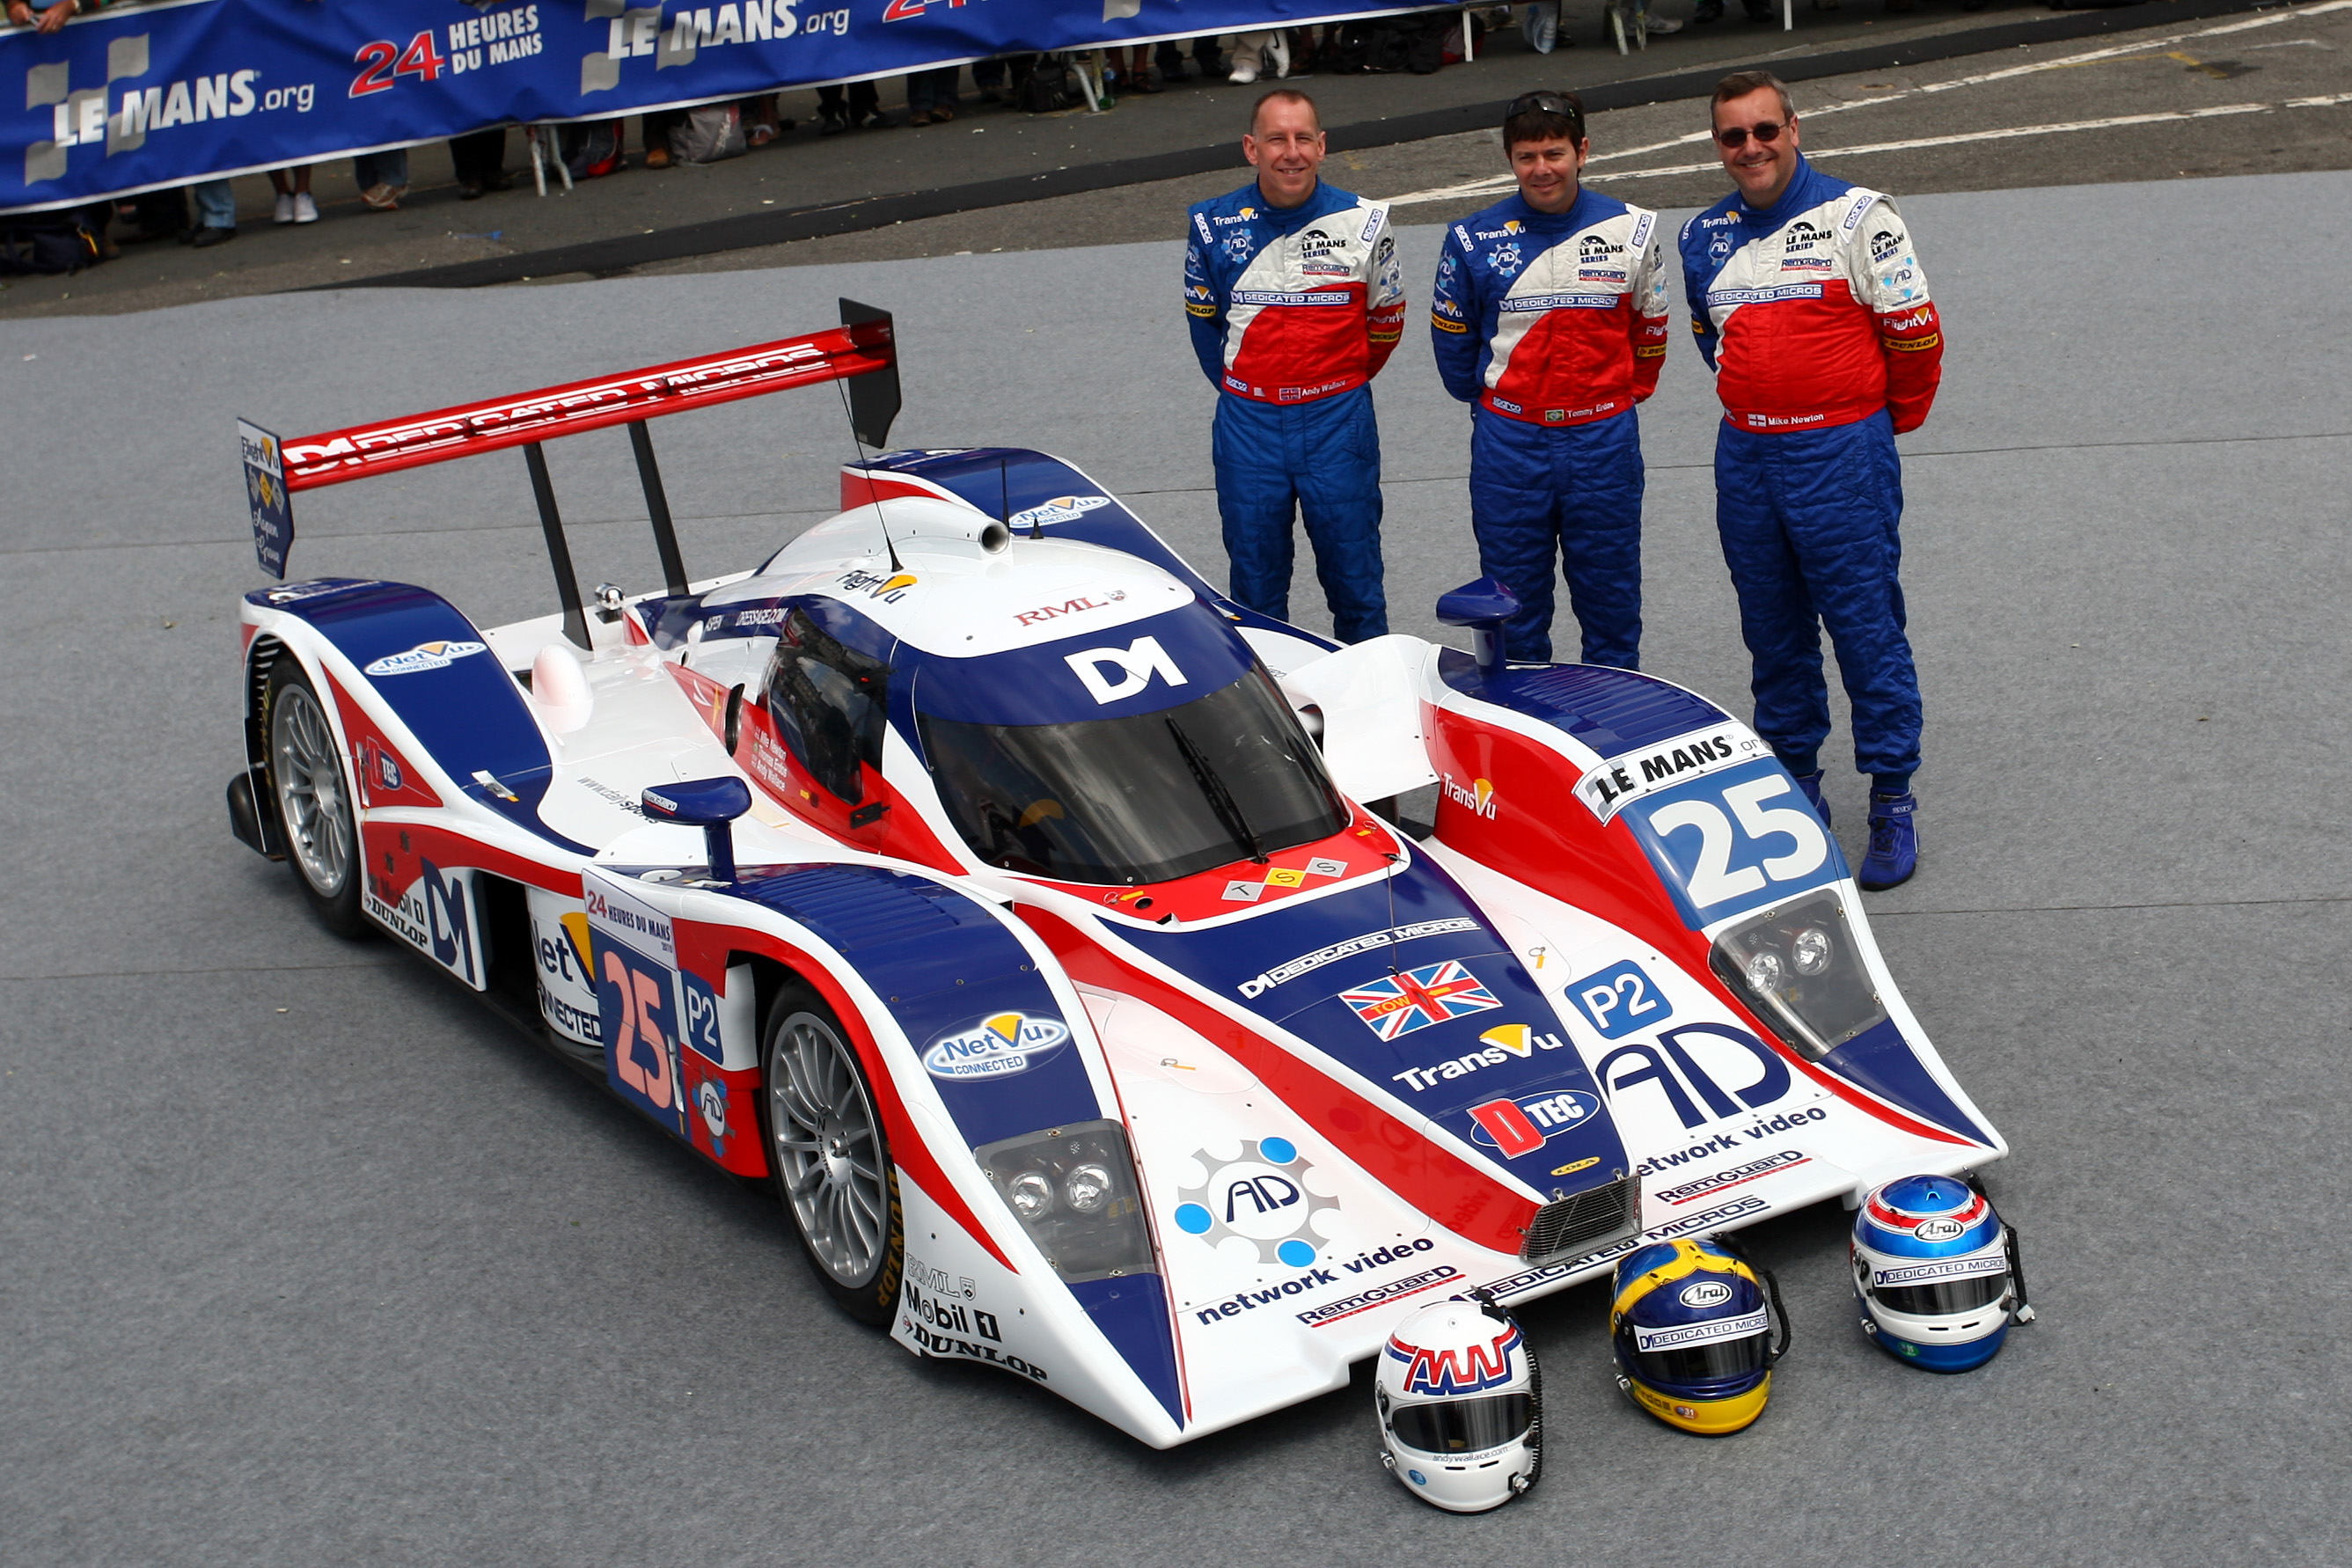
(1811, 785)
(1894, 842)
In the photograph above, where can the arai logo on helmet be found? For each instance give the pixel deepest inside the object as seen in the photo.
(1006, 1042)
(1061, 509)
(424, 656)
(1939, 1230)
(1704, 1293)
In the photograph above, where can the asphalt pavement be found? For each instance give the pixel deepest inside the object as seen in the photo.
(305, 1257)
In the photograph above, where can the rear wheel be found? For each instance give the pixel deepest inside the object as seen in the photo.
(314, 800)
(831, 1161)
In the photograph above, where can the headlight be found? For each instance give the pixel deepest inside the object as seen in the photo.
(1799, 968)
(1073, 1190)
(1031, 1193)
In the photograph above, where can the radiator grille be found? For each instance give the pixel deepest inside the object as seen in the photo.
(1579, 1222)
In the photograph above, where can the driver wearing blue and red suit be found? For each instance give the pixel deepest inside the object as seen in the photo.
(1297, 299)
(1551, 319)
(1810, 304)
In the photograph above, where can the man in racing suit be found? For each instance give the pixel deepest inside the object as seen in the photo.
(1296, 300)
(1549, 319)
(1809, 302)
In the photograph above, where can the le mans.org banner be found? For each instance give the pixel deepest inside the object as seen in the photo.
(139, 97)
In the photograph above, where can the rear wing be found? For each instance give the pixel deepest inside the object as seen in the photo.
(862, 354)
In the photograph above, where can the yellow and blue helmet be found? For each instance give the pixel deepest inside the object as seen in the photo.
(1692, 1325)
(1937, 1273)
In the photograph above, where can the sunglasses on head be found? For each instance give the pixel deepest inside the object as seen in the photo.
(1544, 103)
(1734, 137)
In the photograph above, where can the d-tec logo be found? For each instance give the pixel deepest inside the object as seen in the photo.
(1261, 1198)
(1137, 663)
(1522, 1126)
(1000, 1046)
(425, 656)
(1467, 1370)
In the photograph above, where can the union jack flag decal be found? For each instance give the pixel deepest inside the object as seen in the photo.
(1418, 998)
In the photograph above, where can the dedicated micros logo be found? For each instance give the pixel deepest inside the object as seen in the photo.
(1000, 1047)
(424, 656)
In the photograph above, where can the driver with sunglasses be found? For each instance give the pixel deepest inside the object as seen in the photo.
(1809, 302)
(1551, 318)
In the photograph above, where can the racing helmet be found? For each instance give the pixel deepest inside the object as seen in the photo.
(1692, 1335)
(1937, 1273)
(1461, 1405)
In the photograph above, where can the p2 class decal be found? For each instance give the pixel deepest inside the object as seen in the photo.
(1620, 1000)
(1735, 840)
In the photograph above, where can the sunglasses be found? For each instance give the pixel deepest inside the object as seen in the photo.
(1545, 102)
(1734, 137)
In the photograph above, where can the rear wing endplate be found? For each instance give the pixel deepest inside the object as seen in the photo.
(862, 354)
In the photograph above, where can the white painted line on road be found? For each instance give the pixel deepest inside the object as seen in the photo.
(1499, 183)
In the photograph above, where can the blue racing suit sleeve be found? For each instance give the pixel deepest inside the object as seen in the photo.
(1697, 271)
(1455, 320)
(1204, 311)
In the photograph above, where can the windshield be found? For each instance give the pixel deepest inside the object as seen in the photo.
(1149, 798)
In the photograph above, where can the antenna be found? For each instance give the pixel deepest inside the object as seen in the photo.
(872, 494)
(1004, 499)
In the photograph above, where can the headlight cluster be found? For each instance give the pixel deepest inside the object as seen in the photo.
(1798, 967)
(1072, 1189)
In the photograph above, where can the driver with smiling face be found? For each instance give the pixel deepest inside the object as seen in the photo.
(1296, 300)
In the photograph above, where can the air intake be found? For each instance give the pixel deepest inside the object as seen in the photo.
(1566, 1226)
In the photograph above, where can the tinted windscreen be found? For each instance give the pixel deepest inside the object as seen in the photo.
(1710, 1362)
(1942, 1298)
(1462, 1425)
(1142, 799)
(831, 704)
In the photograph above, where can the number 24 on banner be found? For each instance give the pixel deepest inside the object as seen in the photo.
(383, 61)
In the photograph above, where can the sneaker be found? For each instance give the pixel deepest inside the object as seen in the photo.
(832, 125)
(305, 209)
(1659, 27)
(1894, 842)
(1277, 54)
(1244, 75)
(283, 211)
(1811, 785)
(208, 237)
(384, 198)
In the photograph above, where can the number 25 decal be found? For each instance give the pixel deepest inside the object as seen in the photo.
(1734, 863)
(640, 996)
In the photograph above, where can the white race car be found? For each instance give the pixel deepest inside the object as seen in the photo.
(1039, 922)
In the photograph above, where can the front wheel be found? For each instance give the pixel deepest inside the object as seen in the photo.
(831, 1161)
(315, 802)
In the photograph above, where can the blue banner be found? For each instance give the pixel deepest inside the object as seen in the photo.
(139, 97)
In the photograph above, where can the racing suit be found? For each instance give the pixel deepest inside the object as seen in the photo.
(1814, 314)
(1552, 326)
(1292, 311)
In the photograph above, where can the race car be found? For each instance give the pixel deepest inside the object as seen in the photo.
(1044, 926)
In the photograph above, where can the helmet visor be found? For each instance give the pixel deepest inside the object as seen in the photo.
(1941, 1298)
(1463, 1425)
(1714, 1361)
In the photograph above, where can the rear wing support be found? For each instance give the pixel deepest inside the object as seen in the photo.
(862, 352)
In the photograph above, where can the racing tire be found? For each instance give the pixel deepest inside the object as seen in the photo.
(830, 1156)
(311, 790)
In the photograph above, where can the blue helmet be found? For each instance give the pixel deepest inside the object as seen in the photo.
(1693, 1335)
(1936, 1272)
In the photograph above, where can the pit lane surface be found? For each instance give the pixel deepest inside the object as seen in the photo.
(304, 1258)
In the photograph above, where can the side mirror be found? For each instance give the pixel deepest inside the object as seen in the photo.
(711, 804)
(1483, 606)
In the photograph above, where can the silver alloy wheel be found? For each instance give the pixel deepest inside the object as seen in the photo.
(312, 798)
(827, 1149)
